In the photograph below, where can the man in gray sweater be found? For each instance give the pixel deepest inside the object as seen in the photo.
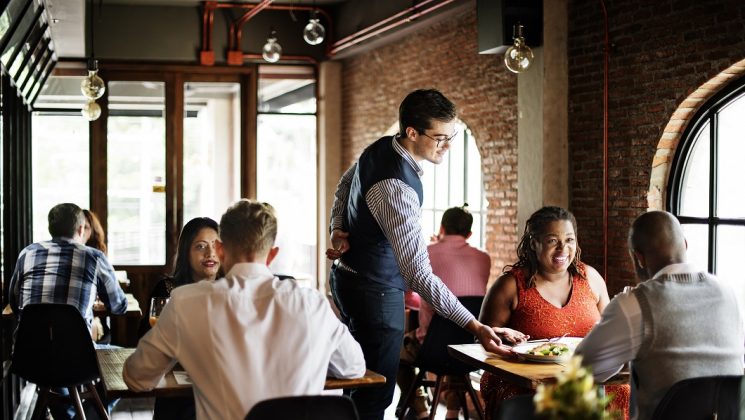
(678, 323)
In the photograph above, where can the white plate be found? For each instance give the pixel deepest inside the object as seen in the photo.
(523, 349)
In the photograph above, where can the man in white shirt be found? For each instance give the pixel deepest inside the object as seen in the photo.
(249, 336)
(678, 323)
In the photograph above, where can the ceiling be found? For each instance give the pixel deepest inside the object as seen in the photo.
(67, 17)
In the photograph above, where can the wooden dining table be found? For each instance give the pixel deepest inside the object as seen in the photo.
(515, 371)
(133, 309)
(111, 364)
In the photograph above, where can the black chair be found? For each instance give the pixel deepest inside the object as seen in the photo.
(307, 407)
(520, 407)
(433, 357)
(702, 398)
(53, 349)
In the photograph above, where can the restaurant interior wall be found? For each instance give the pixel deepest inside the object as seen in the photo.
(660, 53)
(444, 56)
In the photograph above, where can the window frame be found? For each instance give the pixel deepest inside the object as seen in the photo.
(708, 113)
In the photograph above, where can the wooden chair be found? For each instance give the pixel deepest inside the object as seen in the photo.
(434, 358)
(308, 407)
(711, 397)
(53, 349)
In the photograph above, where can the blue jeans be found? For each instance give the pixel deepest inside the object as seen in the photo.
(375, 316)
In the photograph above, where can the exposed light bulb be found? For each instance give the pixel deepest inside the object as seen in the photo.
(519, 56)
(272, 51)
(91, 110)
(92, 86)
(314, 32)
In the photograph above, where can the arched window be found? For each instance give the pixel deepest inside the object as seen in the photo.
(706, 188)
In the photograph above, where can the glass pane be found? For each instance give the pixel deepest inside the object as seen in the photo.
(730, 249)
(287, 89)
(286, 179)
(428, 187)
(63, 140)
(429, 225)
(474, 184)
(211, 149)
(694, 195)
(61, 92)
(16, 42)
(456, 158)
(731, 152)
(697, 237)
(136, 173)
(476, 238)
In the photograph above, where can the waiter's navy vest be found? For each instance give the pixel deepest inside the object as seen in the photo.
(370, 252)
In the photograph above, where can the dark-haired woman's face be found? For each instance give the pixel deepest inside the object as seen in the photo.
(556, 247)
(202, 257)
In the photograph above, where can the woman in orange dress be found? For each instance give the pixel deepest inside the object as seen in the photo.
(547, 293)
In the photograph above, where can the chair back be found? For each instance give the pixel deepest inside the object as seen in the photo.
(433, 356)
(306, 407)
(53, 347)
(700, 398)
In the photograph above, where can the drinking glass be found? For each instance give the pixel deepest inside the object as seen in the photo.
(156, 307)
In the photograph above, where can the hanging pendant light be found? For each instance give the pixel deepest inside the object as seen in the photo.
(314, 32)
(519, 56)
(272, 51)
(93, 86)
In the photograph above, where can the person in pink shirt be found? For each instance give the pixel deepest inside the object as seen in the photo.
(465, 271)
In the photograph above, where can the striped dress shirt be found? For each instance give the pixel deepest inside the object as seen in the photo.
(64, 271)
(395, 207)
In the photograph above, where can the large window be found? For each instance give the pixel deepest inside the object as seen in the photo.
(705, 189)
(286, 164)
(60, 151)
(211, 148)
(136, 173)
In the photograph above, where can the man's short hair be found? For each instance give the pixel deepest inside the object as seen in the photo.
(248, 227)
(422, 106)
(65, 219)
(457, 221)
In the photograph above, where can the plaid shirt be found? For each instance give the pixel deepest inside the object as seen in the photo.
(63, 271)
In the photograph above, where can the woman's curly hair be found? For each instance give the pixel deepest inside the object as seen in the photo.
(535, 228)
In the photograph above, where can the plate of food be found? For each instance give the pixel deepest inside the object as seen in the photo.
(548, 351)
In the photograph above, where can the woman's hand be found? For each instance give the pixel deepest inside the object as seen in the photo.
(513, 336)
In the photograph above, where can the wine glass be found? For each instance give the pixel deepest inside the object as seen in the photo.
(156, 307)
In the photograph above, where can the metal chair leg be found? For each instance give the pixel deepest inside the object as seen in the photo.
(99, 404)
(77, 403)
(436, 398)
(41, 404)
(401, 411)
(474, 398)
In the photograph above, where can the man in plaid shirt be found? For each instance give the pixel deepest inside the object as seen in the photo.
(64, 270)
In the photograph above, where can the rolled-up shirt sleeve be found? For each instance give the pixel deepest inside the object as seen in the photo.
(113, 296)
(340, 199)
(395, 206)
(155, 354)
(614, 340)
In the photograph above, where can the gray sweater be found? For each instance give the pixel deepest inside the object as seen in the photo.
(692, 328)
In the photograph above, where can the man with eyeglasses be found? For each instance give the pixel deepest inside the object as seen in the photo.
(377, 239)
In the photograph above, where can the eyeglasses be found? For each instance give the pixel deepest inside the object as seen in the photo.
(441, 138)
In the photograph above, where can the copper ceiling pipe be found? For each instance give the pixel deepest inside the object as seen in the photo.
(357, 37)
(382, 22)
(239, 24)
(606, 48)
(236, 32)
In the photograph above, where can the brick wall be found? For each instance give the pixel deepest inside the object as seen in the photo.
(662, 51)
(444, 56)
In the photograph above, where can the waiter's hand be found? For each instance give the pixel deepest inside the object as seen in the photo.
(489, 339)
(340, 244)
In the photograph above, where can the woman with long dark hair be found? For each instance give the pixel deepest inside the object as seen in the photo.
(195, 261)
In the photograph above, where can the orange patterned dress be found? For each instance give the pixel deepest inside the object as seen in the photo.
(540, 319)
